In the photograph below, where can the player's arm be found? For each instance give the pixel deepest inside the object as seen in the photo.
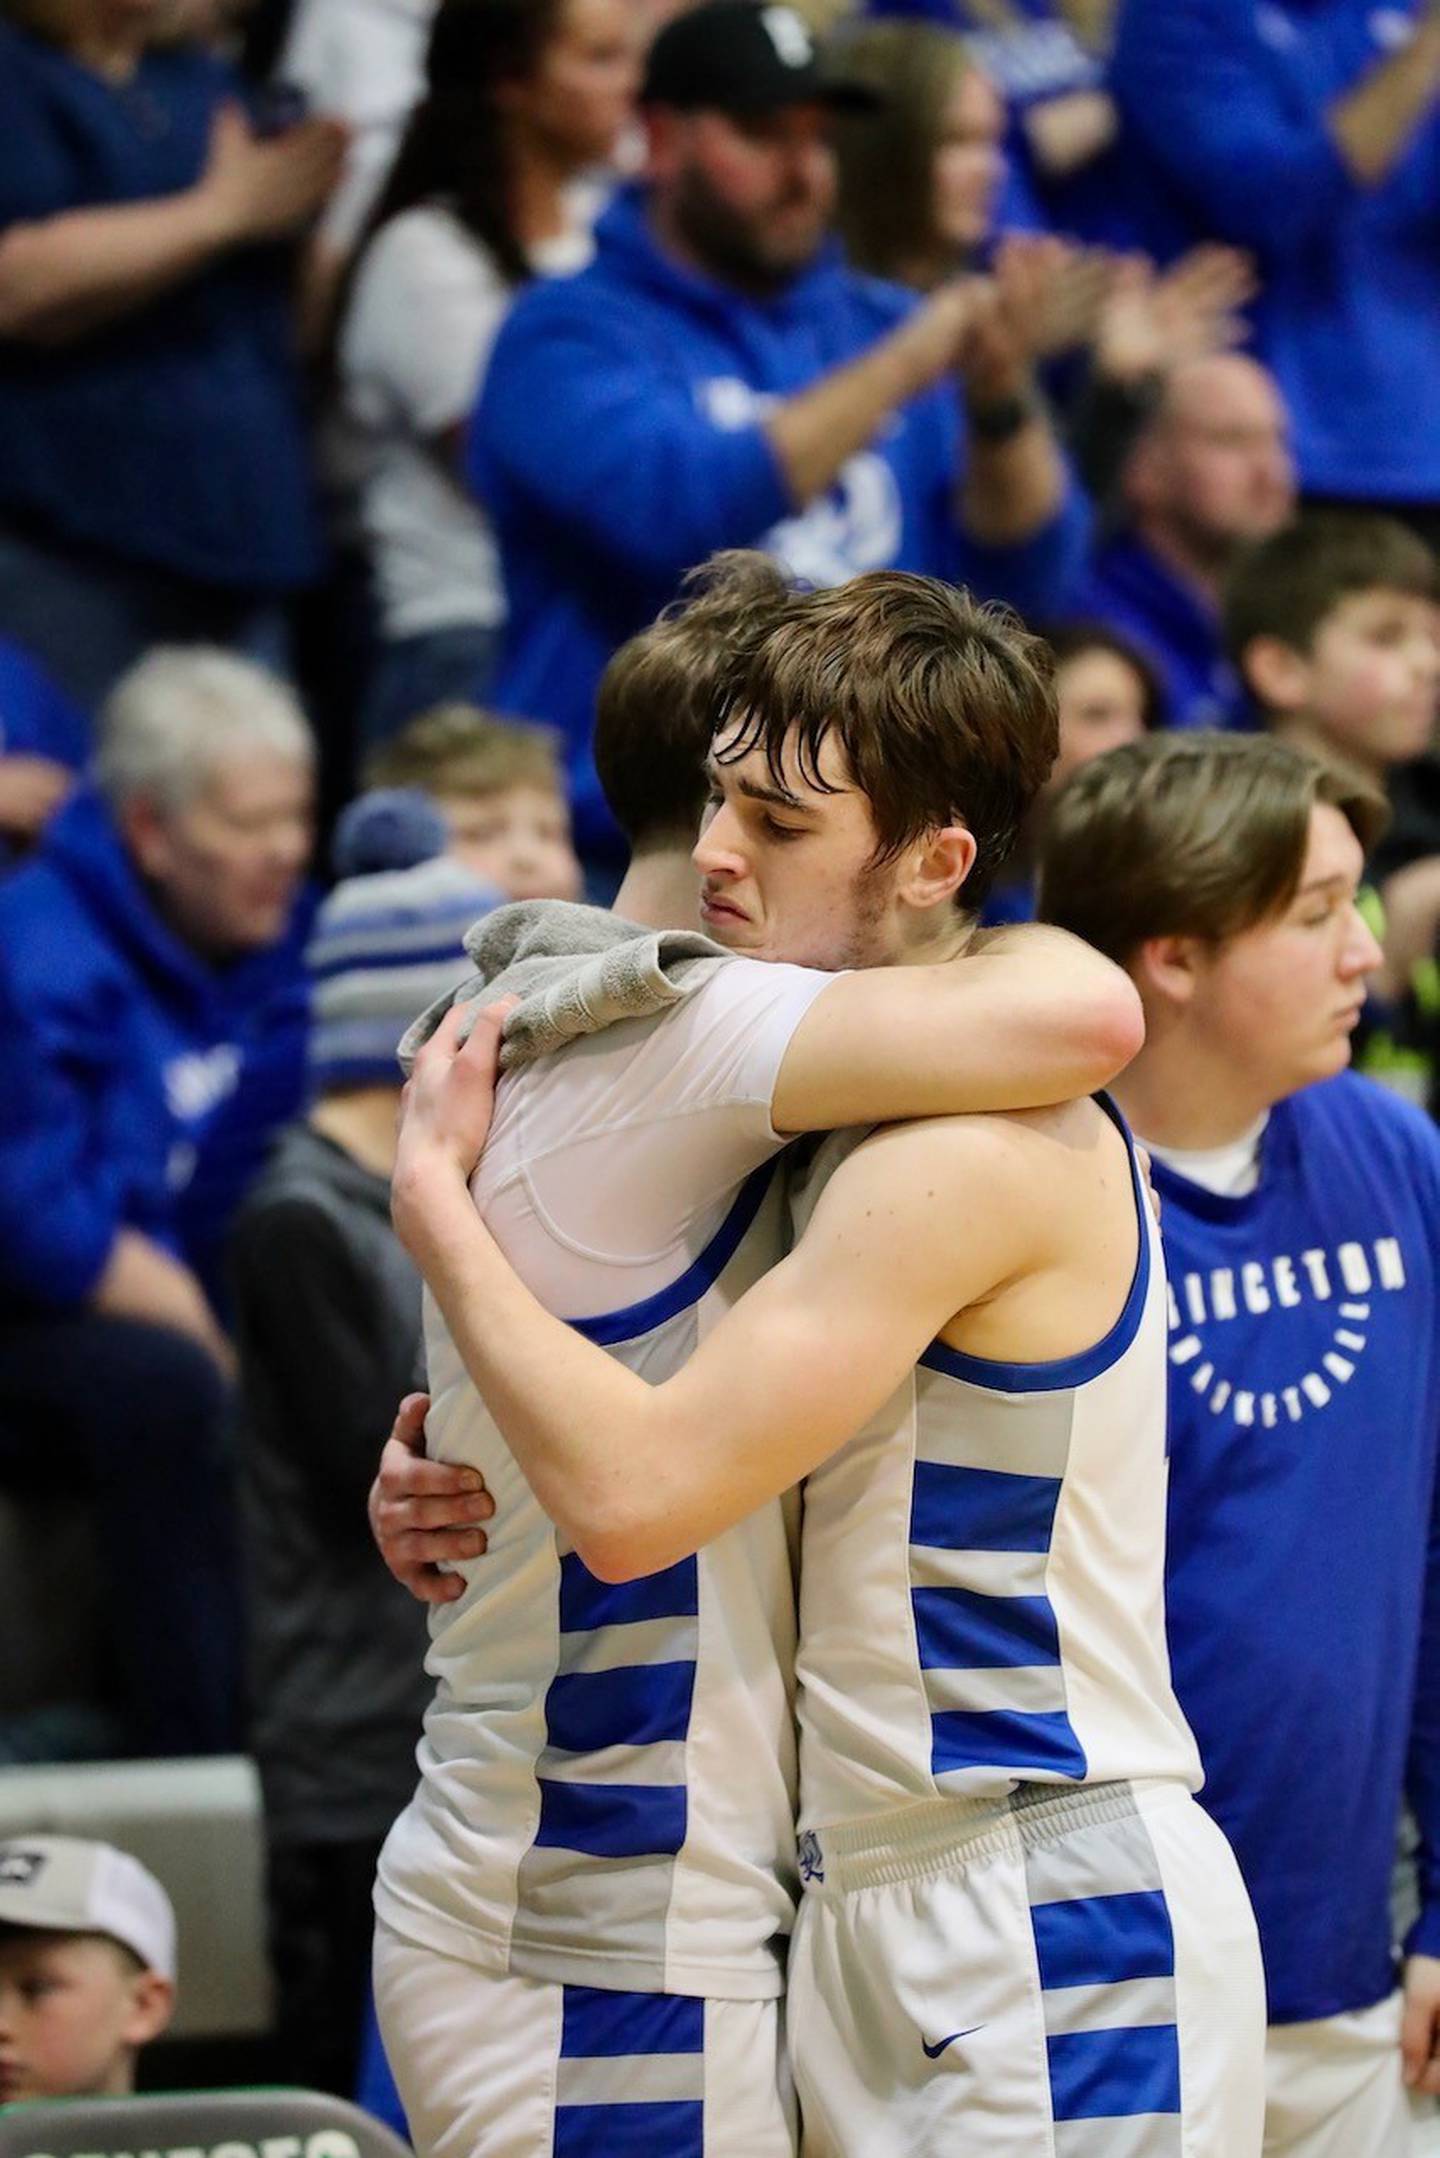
(639, 1476)
(1029, 1017)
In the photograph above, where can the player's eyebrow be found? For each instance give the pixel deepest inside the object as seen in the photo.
(754, 790)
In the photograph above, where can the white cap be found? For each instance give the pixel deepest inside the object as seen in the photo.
(64, 1884)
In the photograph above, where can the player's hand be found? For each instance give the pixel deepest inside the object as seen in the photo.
(446, 1108)
(1420, 2030)
(424, 1514)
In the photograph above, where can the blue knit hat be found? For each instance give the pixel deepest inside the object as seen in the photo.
(384, 947)
(388, 828)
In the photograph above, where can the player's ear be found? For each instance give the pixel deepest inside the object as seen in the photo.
(937, 866)
(1168, 968)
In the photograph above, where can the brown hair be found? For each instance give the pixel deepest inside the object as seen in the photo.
(886, 158)
(662, 695)
(1191, 835)
(1286, 586)
(944, 709)
(1077, 635)
(456, 749)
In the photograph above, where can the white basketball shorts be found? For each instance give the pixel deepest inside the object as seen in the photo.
(490, 2066)
(1063, 1974)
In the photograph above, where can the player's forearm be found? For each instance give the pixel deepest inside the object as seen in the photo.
(574, 1419)
(1028, 1017)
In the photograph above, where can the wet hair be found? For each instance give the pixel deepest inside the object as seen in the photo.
(942, 708)
(663, 694)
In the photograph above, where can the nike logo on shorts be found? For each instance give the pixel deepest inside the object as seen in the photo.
(934, 2052)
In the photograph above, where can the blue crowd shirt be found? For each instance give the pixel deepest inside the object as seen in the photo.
(139, 1086)
(174, 435)
(1225, 105)
(1303, 1582)
(1131, 589)
(619, 441)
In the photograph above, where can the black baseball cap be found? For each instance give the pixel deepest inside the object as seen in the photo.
(744, 57)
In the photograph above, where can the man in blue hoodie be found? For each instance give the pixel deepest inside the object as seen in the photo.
(152, 1026)
(719, 378)
(1309, 132)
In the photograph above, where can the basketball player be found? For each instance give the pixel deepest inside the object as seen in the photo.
(1019, 1932)
(581, 1916)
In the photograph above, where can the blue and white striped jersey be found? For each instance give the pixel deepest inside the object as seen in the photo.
(982, 1577)
(607, 1780)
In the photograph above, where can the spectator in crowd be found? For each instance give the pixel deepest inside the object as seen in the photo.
(501, 790)
(328, 1331)
(44, 741)
(151, 1040)
(1046, 59)
(362, 61)
(1301, 1217)
(154, 473)
(87, 1967)
(920, 176)
(1312, 137)
(523, 99)
(918, 202)
(1332, 626)
(717, 378)
(1209, 474)
(1106, 693)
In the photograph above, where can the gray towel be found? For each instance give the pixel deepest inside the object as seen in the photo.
(576, 970)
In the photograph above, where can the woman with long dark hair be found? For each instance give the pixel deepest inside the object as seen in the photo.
(524, 99)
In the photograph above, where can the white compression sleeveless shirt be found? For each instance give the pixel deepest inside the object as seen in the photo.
(606, 1792)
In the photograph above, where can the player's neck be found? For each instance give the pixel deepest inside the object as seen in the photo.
(661, 890)
(1178, 1094)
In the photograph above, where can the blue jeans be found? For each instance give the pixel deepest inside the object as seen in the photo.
(87, 618)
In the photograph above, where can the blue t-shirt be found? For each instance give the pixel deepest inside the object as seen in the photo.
(1225, 105)
(175, 434)
(1303, 1594)
(619, 441)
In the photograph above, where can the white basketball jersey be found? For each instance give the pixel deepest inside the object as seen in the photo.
(607, 1782)
(982, 1574)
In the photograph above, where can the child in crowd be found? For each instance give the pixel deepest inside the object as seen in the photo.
(502, 791)
(87, 1968)
(1332, 626)
(327, 1310)
(1107, 693)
